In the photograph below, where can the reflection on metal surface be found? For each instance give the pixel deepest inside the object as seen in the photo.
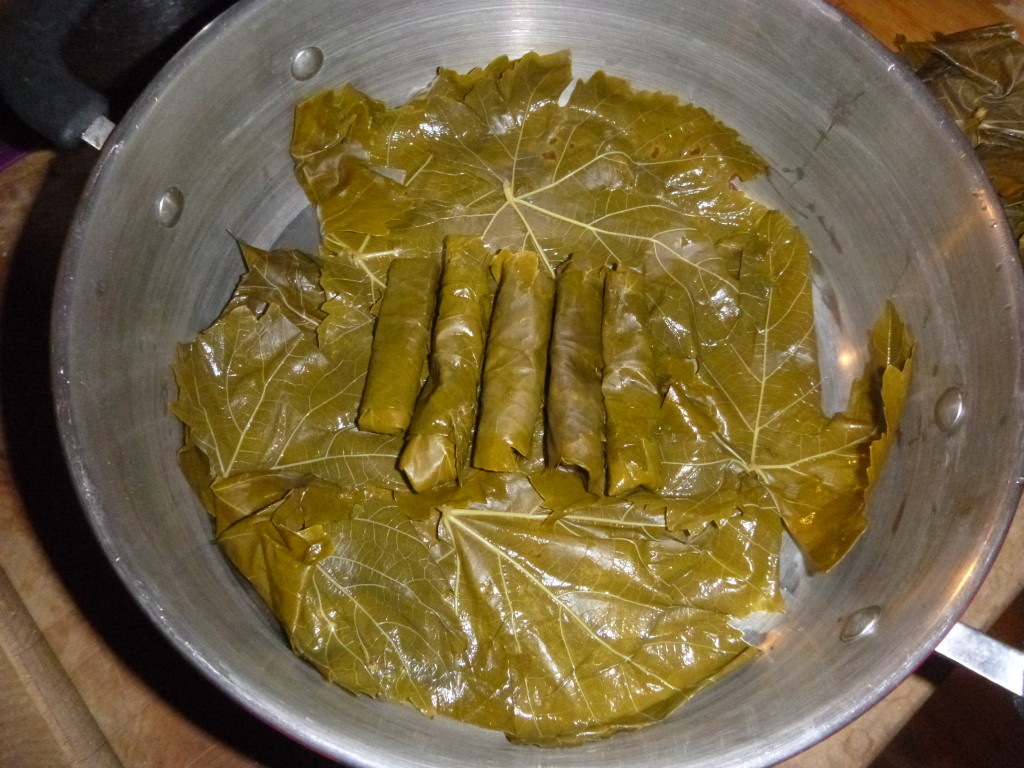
(169, 206)
(848, 360)
(307, 63)
(860, 623)
(949, 409)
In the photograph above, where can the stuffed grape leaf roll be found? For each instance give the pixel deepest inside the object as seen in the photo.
(632, 399)
(401, 340)
(575, 406)
(441, 433)
(515, 366)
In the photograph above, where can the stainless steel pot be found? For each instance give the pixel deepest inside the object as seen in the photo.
(887, 190)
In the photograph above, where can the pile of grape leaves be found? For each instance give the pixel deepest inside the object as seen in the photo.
(526, 601)
(977, 76)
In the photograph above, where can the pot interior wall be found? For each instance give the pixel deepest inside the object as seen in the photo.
(891, 199)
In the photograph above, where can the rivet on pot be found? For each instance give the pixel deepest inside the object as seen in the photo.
(860, 623)
(169, 206)
(949, 409)
(307, 63)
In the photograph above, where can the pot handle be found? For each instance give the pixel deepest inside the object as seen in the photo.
(35, 81)
(1001, 663)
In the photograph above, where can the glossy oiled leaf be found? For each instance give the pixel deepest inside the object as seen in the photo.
(892, 350)
(493, 153)
(372, 609)
(239, 496)
(592, 649)
(496, 617)
(257, 393)
(277, 558)
(976, 76)
(761, 393)
(288, 279)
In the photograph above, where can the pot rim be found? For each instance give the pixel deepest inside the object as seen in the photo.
(247, 692)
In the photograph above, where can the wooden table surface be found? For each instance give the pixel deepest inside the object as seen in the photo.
(85, 680)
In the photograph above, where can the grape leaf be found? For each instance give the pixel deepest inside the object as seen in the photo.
(287, 278)
(892, 349)
(976, 76)
(611, 175)
(488, 613)
(258, 393)
(765, 439)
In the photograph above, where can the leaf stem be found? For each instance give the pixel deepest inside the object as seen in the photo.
(513, 202)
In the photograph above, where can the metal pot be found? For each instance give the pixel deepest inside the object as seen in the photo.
(885, 187)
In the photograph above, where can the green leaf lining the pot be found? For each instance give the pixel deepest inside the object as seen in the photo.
(491, 615)
(764, 429)
(257, 392)
(533, 605)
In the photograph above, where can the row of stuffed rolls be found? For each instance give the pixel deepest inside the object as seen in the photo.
(506, 343)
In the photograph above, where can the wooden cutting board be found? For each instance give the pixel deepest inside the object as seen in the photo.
(84, 679)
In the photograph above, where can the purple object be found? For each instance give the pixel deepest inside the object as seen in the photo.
(9, 155)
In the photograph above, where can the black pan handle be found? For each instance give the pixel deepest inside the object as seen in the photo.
(34, 79)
